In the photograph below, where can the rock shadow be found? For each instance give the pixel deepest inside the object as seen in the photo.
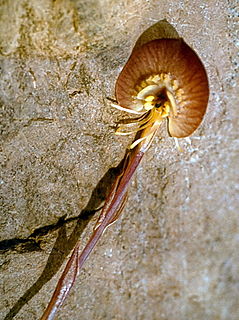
(63, 245)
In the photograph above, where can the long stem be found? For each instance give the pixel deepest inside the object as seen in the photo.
(110, 212)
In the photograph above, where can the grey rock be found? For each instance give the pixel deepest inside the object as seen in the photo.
(173, 255)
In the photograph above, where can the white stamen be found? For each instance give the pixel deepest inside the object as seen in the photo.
(148, 91)
(135, 143)
(125, 109)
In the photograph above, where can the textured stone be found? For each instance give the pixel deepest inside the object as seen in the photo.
(173, 254)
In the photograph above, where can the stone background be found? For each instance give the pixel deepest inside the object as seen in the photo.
(173, 255)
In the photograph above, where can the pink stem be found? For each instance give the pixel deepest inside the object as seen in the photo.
(112, 205)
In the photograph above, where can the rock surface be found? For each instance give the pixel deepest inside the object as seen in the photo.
(173, 255)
